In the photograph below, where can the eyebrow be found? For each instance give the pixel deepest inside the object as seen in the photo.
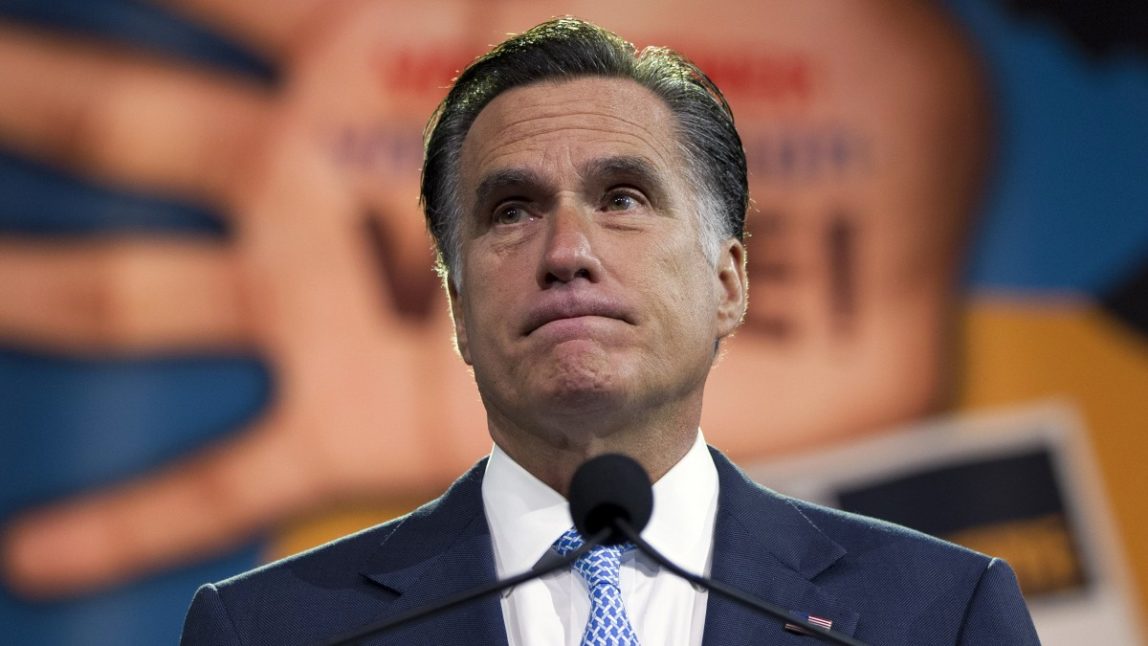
(501, 180)
(630, 167)
(638, 169)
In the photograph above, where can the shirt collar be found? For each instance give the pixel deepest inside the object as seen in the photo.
(526, 516)
(685, 506)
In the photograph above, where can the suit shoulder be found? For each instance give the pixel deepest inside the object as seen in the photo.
(867, 538)
(862, 539)
(321, 562)
(326, 590)
(335, 564)
(924, 586)
(264, 604)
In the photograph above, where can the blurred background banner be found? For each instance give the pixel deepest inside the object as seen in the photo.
(219, 327)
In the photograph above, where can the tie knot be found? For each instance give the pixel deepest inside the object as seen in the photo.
(601, 565)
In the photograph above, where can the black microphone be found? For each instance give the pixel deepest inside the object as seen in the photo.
(613, 492)
(606, 489)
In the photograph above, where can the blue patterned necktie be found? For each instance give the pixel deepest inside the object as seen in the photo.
(601, 568)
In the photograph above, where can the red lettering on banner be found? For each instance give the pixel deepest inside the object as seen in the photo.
(422, 71)
(762, 75)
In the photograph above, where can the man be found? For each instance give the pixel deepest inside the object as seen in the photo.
(587, 205)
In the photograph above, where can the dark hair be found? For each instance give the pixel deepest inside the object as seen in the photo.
(566, 48)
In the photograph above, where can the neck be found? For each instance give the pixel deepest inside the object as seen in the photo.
(554, 453)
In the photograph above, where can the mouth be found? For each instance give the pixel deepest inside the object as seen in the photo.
(573, 308)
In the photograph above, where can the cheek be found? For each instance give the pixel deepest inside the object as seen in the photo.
(685, 298)
(693, 275)
(485, 318)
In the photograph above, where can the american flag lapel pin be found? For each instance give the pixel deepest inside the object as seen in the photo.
(820, 622)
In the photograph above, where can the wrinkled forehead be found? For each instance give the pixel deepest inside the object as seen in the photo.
(566, 125)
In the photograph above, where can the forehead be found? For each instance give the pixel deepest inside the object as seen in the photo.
(570, 122)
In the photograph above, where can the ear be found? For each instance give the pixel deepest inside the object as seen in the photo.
(456, 306)
(734, 285)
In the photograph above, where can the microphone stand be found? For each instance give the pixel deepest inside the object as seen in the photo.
(470, 595)
(623, 526)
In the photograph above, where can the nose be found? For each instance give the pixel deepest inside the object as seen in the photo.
(569, 254)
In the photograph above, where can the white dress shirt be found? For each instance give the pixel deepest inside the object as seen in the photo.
(527, 516)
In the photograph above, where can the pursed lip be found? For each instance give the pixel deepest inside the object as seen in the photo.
(573, 306)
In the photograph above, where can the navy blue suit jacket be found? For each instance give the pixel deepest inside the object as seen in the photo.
(883, 584)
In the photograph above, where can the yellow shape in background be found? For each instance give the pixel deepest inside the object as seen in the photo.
(1021, 350)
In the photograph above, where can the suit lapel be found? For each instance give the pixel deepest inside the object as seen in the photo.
(767, 548)
(437, 551)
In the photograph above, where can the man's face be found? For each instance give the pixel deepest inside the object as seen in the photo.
(584, 292)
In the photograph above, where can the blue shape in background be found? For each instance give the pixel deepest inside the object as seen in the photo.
(1068, 208)
(82, 424)
(70, 425)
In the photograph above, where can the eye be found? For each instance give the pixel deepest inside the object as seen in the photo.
(510, 214)
(622, 200)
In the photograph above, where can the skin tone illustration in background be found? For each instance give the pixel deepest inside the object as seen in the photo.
(864, 126)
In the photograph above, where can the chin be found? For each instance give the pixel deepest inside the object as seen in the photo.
(583, 389)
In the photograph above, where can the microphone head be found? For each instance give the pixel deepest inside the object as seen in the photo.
(606, 488)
